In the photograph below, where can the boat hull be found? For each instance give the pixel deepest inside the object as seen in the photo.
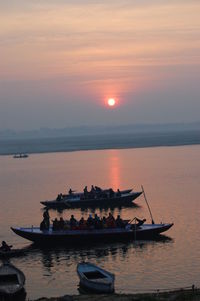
(102, 282)
(12, 280)
(124, 199)
(96, 288)
(93, 235)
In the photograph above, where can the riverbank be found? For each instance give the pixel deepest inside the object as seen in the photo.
(99, 142)
(192, 294)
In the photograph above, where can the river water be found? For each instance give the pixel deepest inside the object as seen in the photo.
(171, 178)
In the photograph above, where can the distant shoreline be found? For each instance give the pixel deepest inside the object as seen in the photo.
(99, 142)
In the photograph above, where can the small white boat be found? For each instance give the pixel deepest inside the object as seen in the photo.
(12, 280)
(95, 279)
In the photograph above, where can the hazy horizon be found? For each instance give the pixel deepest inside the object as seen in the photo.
(62, 60)
(48, 132)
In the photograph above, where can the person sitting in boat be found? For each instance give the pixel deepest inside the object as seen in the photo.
(140, 222)
(46, 219)
(43, 225)
(92, 192)
(92, 189)
(59, 197)
(82, 224)
(73, 222)
(90, 221)
(55, 224)
(111, 193)
(110, 221)
(118, 192)
(98, 192)
(5, 247)
(46, 214)
(85, 191)
(96, 218)
(103, 222)
(97, 189)
(97, 222)
(70, 191)
(119, 222)
(61, 223)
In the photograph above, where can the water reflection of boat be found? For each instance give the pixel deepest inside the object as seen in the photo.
(12, 280)
(102, 209)
(55, 255)
(19, 156)
(126, 197)
(94, 278)
(145, 231)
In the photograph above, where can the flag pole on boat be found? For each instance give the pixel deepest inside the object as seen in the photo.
(147, 205)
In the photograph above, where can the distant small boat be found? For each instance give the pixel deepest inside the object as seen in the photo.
(19, 156)
(95, 279)
(12, 280)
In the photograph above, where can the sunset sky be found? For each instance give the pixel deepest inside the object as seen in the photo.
(60, 61)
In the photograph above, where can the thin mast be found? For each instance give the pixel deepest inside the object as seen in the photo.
(147, 205)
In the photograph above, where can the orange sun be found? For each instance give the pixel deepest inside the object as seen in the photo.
(111, 102)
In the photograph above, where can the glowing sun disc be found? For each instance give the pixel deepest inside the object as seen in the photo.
(111, 102)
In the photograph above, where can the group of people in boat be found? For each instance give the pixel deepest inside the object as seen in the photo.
(92, 222)
(97, 192)
(93, 193)
(97, 223)
(83, 224)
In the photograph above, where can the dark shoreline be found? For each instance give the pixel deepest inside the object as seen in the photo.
(192, 294)
(99, 142)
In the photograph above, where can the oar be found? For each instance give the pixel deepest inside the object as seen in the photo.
(131, 221)
(147, 205)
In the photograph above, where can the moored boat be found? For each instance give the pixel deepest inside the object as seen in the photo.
(11, 253)
(12, 280)
(95, 279)
(104, 199)
(77, 236)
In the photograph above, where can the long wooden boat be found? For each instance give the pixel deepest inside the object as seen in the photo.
(95, 279)
(145, 231)
(12, 280)
(77, 201)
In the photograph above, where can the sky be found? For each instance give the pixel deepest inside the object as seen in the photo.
(61, 60)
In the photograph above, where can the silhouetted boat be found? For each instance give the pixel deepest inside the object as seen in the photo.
(78, 200)
(11, 253)
(19, 156)
(95, 279)
(12, 280)
(130, 232)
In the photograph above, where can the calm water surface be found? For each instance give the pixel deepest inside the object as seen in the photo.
(171, 178)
